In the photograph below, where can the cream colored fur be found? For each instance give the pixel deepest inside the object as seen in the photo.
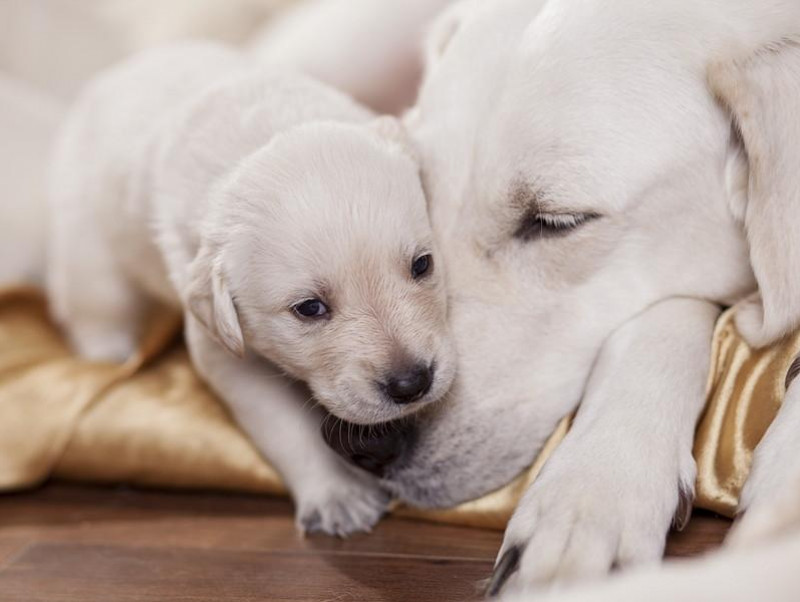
(188, 176)
(372, 50)
(661, 138)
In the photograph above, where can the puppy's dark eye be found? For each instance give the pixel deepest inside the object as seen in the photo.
(550, 225)
(421, 266)
(311, 308)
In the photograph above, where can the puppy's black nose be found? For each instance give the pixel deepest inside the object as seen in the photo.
(410, 384)
(371, 447)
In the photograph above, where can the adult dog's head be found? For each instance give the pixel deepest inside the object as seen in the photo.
(584, 160)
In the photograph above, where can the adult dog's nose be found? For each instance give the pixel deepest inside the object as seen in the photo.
(372, 447)
(410, 384)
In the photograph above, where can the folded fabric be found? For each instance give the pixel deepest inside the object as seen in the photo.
(152, 422)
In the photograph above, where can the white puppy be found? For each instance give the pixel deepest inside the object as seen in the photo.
(288, 224)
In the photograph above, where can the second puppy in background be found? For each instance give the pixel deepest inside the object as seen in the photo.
(291, 227)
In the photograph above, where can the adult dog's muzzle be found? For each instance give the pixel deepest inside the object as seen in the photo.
(372, 447)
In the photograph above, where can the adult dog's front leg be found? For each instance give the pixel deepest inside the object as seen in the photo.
(329, 495)
(771, 497)
(610, 491)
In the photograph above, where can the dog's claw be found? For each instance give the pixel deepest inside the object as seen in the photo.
(683, 513)
(505, 567)
(352, 507)
(310, 523)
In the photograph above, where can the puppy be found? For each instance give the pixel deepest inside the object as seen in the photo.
(287, 223)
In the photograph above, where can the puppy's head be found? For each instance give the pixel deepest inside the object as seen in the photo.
(319, 257)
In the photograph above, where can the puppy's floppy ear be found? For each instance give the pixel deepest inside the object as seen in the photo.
(391, 130)
(209, 300)
(762, 93)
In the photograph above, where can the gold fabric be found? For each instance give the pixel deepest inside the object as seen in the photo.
(152, 422)
(745, 390)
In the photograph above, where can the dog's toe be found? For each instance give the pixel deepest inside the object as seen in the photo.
(566, 550)
(310, 522)
(342, 510)
(563, 532)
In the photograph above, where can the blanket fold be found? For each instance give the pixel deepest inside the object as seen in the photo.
(152, 422)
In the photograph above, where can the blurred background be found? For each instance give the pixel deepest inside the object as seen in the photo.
(49, 49)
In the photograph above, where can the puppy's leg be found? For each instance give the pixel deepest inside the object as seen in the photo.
(91, 297)
(771, 497)
(610, 491)
(330, 496)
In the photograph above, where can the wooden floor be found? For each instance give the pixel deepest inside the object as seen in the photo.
(81, 544)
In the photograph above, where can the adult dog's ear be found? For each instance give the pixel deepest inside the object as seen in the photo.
(437, 38)
(210, 301)
(762, 92)
(442, 30)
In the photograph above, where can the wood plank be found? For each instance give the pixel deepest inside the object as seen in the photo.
(9, 547)
(207, 520)
(703, 533)
(234, 522)
(71, 543)
(70, 573)
(390, 538)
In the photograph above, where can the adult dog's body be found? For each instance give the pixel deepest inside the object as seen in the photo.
(602, 177)
(372, 50)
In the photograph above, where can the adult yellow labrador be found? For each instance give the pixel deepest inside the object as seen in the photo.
(602, 176)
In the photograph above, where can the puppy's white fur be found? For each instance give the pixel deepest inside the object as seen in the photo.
(187, 176)
(668, 132)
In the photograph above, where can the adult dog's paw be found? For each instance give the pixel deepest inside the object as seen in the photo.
(340, 504)
(579, 520)
(770, 502)
(765, 521)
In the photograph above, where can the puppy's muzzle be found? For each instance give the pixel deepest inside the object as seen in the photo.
(372, 447)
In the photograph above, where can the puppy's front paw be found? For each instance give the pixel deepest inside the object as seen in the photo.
(578, 520)
(98, 345)
(340, 504)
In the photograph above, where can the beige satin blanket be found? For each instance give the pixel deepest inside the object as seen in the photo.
(152, 422)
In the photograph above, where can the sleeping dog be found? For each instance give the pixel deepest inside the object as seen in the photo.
(291, 228)
(603, 176)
